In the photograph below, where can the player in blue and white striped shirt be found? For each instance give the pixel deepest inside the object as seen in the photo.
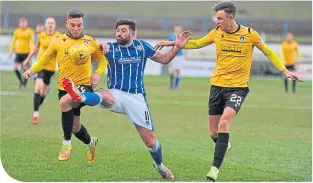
(126, 94)
(177, 63)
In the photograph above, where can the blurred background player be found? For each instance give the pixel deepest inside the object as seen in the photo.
(22, 44)
(80, 73)
(290, 55)
(39, 28)
(42, 80)
(176, 65)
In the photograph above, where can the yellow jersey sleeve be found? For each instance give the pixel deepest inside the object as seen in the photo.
(98, 55)
(49, 54)
(31, 40)
(202, 42)
(271, 55)
(298, 53)
(13, 42)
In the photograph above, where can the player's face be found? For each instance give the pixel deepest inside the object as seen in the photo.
(124, 34)
(75, 26)
(289, 37)
(50, 24)
(223, 20)
(177, 29)
(40, 28)
(23, 24)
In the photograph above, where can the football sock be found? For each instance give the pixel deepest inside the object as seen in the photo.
(286, 85)
(18, 74)
(42, 98)
(156, 153)
(214, 138)
(36, 101)
(294, 86)
(220, 149)
(67, 124)
(83, 135)
(177, 79)
(171, 81)
(92, 98)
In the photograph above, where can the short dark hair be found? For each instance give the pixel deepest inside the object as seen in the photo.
(226, 6)
(74, 13)
(131, 23)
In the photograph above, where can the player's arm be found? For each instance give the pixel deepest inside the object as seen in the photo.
(34, 51)
(49, 54)
(191, 44)
(272, 56)
(298, 54)
(202, 42)
(282, 55)
(31, 40)
(13, 43)
(102, 64)
(166, 58)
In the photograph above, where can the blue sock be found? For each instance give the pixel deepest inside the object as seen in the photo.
(156, 153)
(92, 98)
(177, 79)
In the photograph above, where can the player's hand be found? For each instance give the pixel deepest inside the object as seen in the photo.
(182, 39)
(105, 47)
(292, 75)
(28, 73)
(95, 78)
(160, 45)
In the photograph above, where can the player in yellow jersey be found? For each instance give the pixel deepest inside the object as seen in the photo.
(22, 44)
(290, 55)
(43, 78)
(79, 73)
(234, 49)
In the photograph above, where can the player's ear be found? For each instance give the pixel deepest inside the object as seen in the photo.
(133, 33)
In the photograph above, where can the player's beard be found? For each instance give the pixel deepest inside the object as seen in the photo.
(123, 41)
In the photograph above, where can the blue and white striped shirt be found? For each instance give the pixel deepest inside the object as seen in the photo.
(172, 37)
(127, 64)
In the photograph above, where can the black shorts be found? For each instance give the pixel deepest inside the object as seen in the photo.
(221, 97)
(45, 76)
(291, 67)
(20, 58)
(81, 88)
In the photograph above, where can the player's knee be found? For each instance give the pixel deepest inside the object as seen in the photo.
(108, 99)
(213, 133)
(65, 104)
(149, 143)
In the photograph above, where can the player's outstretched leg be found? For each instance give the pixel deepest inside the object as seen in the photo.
(88, 98)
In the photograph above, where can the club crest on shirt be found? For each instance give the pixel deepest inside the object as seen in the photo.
(242, 38)
(86, 41)
(139, 47)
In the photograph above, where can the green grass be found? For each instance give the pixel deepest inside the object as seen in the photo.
(271, 136)
(245, 9)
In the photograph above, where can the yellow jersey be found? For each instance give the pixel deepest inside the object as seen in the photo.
(22, 41)
(233, 54)
(79, 74)
(44, 40)
(289, 51)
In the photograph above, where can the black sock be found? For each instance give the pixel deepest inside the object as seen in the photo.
(220, 149)
(286, 85)
(294, 86)
(18, 74)
(83, 135)
(25, 82)
(67, 124)
(42, 98)
(36, 101)
(214, 138)
(171, 81)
